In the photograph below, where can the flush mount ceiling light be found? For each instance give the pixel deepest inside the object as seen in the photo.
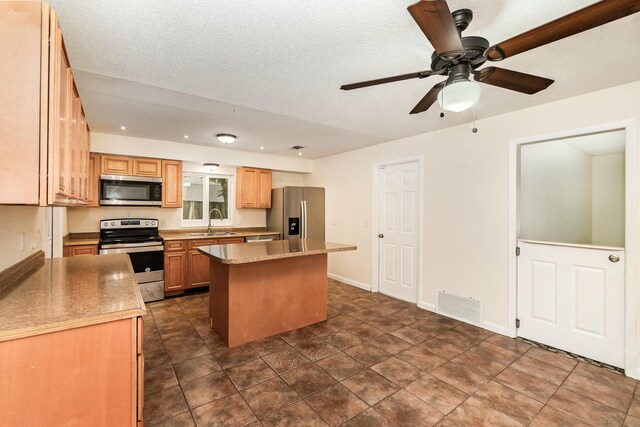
(123, 128)
(211, 167)
(226, 138)
(459, 93)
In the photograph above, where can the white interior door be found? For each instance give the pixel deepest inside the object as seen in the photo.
(572, 298)
(399, 198)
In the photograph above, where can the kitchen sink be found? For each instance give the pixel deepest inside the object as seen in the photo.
(217, 233)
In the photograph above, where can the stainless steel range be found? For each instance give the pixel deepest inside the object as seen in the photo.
(139, 238)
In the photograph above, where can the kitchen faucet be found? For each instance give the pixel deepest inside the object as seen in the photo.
(221, 217)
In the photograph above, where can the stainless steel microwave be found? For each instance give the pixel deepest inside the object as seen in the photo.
(117, 190)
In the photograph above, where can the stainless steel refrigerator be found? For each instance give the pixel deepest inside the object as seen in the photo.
(297, 212)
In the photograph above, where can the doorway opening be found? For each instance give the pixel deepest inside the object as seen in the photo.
(573, 234)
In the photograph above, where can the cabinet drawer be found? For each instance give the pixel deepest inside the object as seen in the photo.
(80, 250)
(174, 245)
(204, 242)
(231, 240)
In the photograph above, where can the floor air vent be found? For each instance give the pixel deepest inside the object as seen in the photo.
(463, 308)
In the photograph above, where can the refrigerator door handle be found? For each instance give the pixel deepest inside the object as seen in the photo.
(302, 224)
(306, 228)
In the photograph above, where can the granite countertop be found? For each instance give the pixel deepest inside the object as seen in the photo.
(67, 293)
(183, 234)
(242, 253)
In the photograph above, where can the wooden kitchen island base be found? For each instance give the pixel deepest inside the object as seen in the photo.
(256, 300)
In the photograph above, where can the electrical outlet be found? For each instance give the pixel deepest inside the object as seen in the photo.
(21, 242)
(129, 214)
(164, 222)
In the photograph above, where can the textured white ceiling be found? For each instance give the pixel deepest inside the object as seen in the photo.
(289, 58)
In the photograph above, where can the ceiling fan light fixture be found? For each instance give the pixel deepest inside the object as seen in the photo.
(226, 138)
(459, 95)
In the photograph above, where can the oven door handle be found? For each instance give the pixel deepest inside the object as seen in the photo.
(131, 250)
(129, 245)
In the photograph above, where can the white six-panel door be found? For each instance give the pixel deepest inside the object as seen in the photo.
(572, 298)
(399, 230)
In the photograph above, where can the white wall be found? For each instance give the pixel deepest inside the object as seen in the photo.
(22, 232)
(555, 193)
(465, 195)
(608, 200)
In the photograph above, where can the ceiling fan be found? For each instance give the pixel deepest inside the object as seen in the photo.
(459, 57)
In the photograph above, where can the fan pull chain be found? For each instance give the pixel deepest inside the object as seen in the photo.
(475, 129)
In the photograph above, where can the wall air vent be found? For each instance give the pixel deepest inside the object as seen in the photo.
(462, 308)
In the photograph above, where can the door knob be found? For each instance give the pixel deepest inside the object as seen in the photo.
(380, 236)
(614, 258)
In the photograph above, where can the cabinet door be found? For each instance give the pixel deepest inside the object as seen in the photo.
(264, 188)
(116, 165)
(59, 179)
(74, 145)
(246, 189)
(199, 269)
(20, 95)
(93, 196)
(147, 167)
(84, 159)
(175, 271)
(171, 184)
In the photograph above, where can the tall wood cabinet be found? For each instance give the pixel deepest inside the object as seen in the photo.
(171, 184)
(44, 150)
(253, 188)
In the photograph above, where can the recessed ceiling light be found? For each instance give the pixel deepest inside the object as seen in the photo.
(123, 128)
(211, 167)
(300, 153)
(186, 137)
(226, 138)
(262, 148)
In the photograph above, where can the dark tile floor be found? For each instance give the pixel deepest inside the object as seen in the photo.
(376, 361)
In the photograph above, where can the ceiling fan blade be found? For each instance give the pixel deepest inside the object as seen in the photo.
(513, 80)
(435, 20)
(418, 75)
(428, 99)
(584, 19)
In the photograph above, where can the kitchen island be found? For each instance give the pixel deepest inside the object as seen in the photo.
(262, 289)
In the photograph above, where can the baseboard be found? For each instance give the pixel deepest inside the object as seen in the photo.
(349, 282)
(635, 373)
(496, 328)
(427, 306)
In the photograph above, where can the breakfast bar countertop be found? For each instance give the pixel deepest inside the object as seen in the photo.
(66, 293)
(243, 253)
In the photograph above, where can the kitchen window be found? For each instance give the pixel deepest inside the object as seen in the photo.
(206, 198)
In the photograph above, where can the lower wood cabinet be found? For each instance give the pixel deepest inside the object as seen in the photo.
(78, 250)
(175, 271)
(194, 269)
(86, 376)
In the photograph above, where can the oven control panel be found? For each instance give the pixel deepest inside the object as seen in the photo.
(111, 224)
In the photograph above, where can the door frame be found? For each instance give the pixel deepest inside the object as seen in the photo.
(631, 228)
(375, 222)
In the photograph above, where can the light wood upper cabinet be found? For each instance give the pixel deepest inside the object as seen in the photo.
(253, 188)
(40, 154)
(93, 196)
(171, 184)
(116, 165)
(147, 167)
